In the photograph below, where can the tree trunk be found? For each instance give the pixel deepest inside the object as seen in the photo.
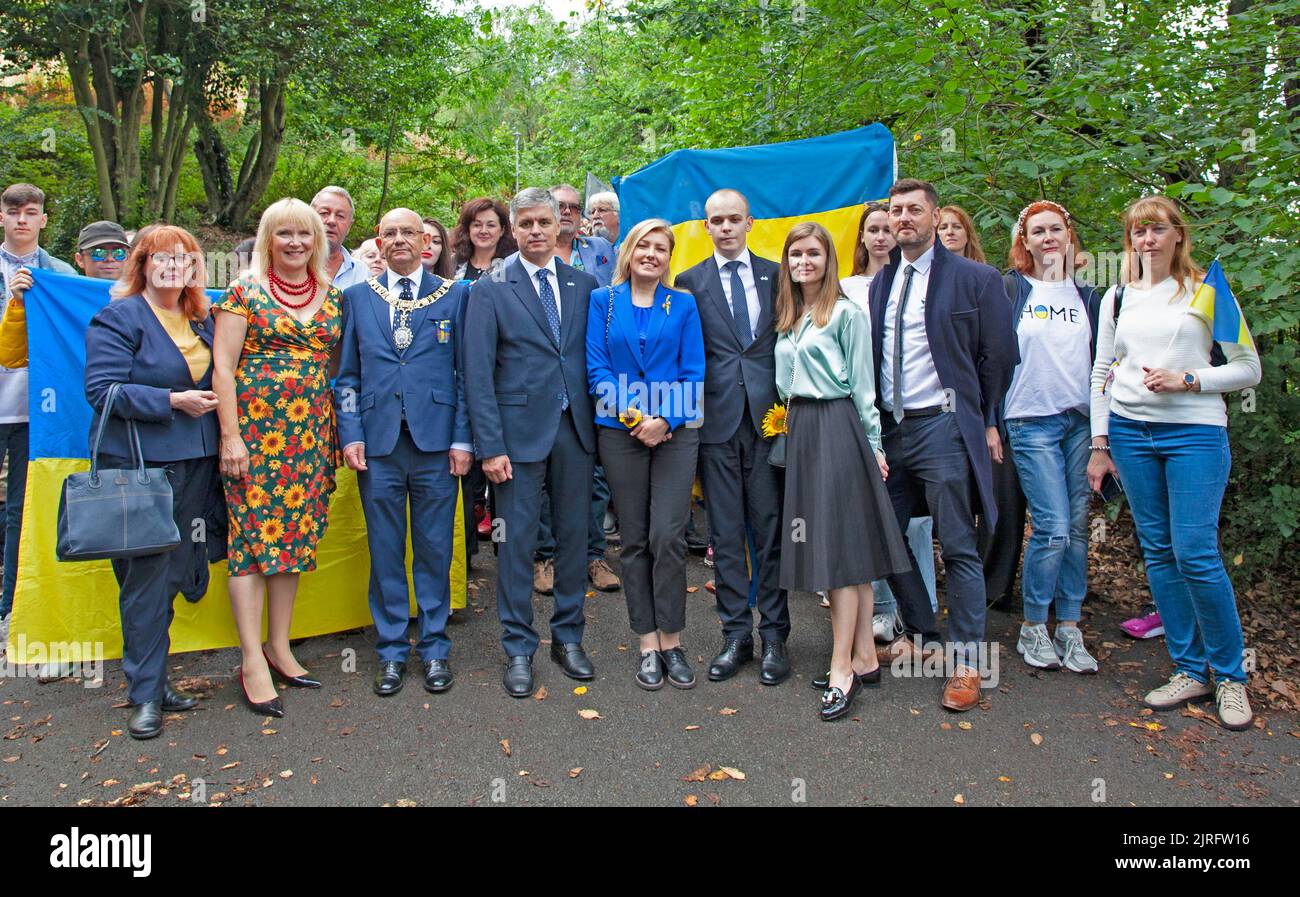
(256, 172)
(76, 57)
(388, 156)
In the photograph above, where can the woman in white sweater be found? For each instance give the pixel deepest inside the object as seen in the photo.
(1158, 414)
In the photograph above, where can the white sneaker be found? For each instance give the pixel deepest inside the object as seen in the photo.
(1233, 706)
(1037, 648)
(1074, 656)
(886, 627)
(1180, 689)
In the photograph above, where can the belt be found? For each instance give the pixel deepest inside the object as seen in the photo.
(931, 411)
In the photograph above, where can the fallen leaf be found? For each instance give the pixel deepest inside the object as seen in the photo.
(505, 746)
(959, 800)
(732, 773)
(698, 775)
(269, 731)
(1036, 738)
(717, 776)
(540, 694)
(231, 765)
(575, 772)
(1150, 727)
(589, 714)
(406, 802)
(580, 690)
(965, 726)
(1004, 778)
(691, 590)
(1169, 775)
(287, 774)
(728, 711)
(945, 726)
(692, 800)
(693, 728)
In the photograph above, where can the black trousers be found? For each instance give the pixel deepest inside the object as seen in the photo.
(1000, 545)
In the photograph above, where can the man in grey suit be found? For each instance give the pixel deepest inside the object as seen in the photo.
(742, 490)
(532, 421)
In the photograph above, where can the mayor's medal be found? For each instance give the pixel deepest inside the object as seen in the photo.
(402, 333)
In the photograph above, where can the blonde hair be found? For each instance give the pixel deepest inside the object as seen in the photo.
(623, 266)
(1163, 209)
(293, 212)
(791, 302)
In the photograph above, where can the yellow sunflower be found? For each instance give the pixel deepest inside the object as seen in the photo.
(298, 410)
(270, 531)
(774, 421)
(256, 496)
(258, 409)
(273, 443)
(294, 497)
(631, 417)
(307, 440)
(307, 524)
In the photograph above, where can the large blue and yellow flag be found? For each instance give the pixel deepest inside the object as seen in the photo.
(824, 179)
(58, 603)
(1215, 304)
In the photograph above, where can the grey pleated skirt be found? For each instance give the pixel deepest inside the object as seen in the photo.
(839, 527)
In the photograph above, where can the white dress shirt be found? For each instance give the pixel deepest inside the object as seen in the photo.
(550, 275)
(921, 387)
(747, 279)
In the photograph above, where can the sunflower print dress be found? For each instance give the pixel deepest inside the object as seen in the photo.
(286, 418)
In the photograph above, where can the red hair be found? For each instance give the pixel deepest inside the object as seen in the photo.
(1019, 256)
(170, 239)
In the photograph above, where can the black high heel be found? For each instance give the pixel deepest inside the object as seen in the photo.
(273, 707)
(304, 681)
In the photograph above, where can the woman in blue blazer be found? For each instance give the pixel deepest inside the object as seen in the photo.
(155, 341)
(645, 366)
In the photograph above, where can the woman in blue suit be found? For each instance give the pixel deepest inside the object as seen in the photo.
(155, 341)
(645, 365)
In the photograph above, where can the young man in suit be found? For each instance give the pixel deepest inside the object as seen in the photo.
(742, 490)
(404, 426)
(944, 352)
(532, 419)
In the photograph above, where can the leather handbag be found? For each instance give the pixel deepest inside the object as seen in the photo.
(116, 513)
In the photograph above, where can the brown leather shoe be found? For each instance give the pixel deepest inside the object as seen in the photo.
(602, 577)
(962, 691)
(544, 577)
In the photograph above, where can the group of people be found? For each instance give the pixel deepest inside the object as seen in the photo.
(836, 426)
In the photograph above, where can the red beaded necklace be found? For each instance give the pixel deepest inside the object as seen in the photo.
(305, 288)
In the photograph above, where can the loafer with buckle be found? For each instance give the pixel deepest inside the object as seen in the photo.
(177, 701)
(146, 720)
(774, 668)
(573, 660)
(962, 690)
(437, 675)
(680, 674)
(518, 680)
(389, 678)
(836, 704)
(735, 653)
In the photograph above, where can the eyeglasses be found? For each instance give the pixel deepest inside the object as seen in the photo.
(163, 259)
(406, 233)
(101, 253)
(570, 207)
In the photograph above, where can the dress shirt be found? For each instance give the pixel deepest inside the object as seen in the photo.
(746, 278)
(921, 386)
(350, 273)
(532, 270)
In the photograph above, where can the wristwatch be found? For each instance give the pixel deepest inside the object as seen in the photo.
(1189, 380)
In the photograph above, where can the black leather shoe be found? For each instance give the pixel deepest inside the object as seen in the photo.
(836, 704)
(680, 674)
(573, 660)
(437, 676)
(869, 680)
(389, 678)
(518, 680)
(306, 680)
(273, 707)
(775, 665)
(175, 701)
(734, 653)
(146, 720)
(650, 675)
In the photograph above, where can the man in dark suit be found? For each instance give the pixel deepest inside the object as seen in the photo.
(742, 491)
(944, 353)
(532, 420)
(404, 426)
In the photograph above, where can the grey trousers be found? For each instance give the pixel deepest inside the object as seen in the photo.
(651, 488)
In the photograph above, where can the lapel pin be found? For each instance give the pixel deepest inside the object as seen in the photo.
(763, 277)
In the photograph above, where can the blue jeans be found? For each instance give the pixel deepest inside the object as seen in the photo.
(920, 537)
(13, 442)
(1174, 476)
(1051, 456)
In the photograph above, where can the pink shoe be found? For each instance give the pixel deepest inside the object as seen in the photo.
(1148, 626)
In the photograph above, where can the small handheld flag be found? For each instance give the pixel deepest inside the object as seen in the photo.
(1215, 304)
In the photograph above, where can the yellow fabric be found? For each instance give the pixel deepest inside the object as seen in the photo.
(13, 336)
(767, 239)
(197, 354)
(77, 602)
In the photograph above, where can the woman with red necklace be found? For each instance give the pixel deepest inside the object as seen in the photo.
(275, 329)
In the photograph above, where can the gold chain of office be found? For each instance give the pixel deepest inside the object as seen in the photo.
(402, 334)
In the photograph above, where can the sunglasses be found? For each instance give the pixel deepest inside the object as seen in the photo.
(101, 253)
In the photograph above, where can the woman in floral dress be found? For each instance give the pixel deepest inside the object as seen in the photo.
(276, 326)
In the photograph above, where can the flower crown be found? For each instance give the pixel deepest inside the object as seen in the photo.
(1020, 221)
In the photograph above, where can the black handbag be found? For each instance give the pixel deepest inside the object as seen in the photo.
(116, 513)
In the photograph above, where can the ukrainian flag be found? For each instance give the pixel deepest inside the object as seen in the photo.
(824, 179)
(76, 603)
(1215, 304)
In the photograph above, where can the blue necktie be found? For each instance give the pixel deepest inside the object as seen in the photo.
(547, 295)
(405, 296)
(740, 306)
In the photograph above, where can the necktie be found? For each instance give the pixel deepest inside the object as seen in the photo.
(740, 306)
(898, 344)
(547, 295)
(406, 296)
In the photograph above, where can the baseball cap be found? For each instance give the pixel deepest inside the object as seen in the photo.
(101, 233)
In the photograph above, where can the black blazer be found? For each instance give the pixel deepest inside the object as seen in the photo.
(968, 324)
(733, 375)
(126, 344)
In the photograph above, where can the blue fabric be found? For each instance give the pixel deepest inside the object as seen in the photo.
(1174, 476)
(920, 538)
(597, 256)
(1051, 457)
(642, 324)
(667, 380)
(377, 385)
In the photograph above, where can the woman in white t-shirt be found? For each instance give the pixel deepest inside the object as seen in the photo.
(1046, 413)
(871, 253)
(1158, 413)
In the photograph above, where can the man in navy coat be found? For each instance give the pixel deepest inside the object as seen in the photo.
(944, 352)
(404, 427)
(532, 419)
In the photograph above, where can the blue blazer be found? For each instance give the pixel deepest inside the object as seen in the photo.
(968, 324)
(376, 382)
(516, 376)
(126, 344)
(668, 379)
